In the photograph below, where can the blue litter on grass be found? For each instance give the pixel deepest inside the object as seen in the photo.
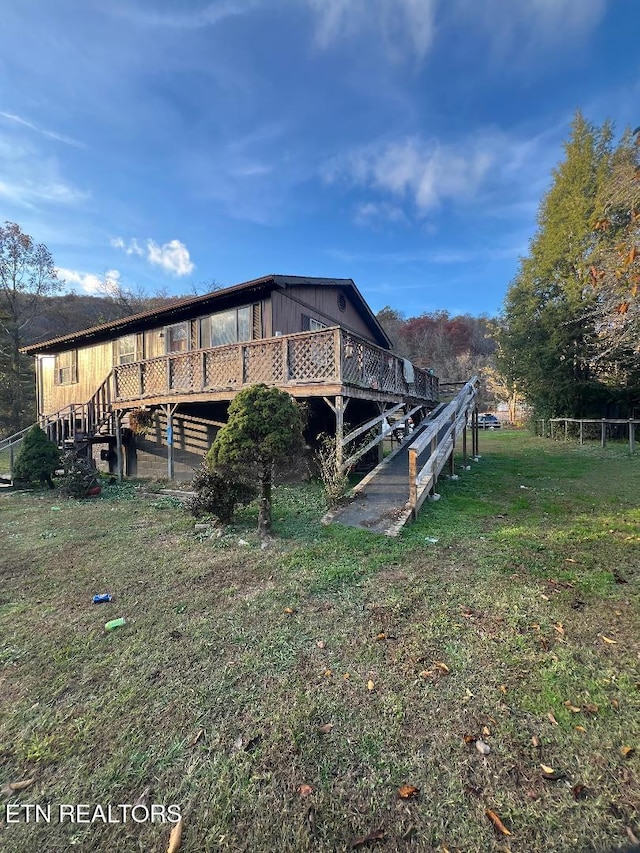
(102, 598)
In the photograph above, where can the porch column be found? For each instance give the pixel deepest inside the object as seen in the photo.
(117, 416)
(170, 411)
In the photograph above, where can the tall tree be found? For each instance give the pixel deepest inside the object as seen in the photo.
(548, 327)
(614, 275)
(27, 275)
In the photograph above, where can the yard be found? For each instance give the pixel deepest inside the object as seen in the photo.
(284, 696)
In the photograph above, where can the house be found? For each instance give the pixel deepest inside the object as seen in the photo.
(183, 363)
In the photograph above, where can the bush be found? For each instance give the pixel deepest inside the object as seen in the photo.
(334, 481)
(217, 493)
(79, 475)
(38, 458)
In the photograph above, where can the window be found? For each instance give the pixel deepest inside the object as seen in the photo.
(310, 324)
(226, 327)
(66, 368)
(126, 349)
(177, 337)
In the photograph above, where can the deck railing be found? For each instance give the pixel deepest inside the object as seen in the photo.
(325, 357)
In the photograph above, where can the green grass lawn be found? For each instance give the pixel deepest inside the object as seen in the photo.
(335, 659)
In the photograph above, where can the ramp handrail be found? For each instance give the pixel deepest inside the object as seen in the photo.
(440, 437)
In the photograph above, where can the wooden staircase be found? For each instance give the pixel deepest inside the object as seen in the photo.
(75, 427)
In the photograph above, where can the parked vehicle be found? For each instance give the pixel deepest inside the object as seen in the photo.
(488, 421)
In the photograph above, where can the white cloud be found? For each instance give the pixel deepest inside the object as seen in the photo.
(208, 15)
(132, 248)
(59, 137)
(89, 282)
(173, 256)
(426, 172)
(31, 180)
(403, 24)
(519, 26)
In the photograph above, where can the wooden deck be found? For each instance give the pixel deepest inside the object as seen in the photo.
(322, 363)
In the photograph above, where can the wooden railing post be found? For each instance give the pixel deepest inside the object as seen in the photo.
(337, 354)
(413, 474)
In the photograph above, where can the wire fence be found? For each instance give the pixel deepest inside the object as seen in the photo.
(583, 430)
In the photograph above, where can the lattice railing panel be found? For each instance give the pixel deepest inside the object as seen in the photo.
(184, 372)
(154, 377)
(222, 368)
(127, 382)
(264, 362)
(311, 358)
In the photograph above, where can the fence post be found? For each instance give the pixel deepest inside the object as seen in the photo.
(603, 434)
(566, 429)
(632, 436)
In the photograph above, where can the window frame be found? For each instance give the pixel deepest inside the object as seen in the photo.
(61, 368)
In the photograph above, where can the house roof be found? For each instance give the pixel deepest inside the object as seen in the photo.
(182, 309)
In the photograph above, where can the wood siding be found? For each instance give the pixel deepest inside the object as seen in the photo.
(94, 365)
(320, 303)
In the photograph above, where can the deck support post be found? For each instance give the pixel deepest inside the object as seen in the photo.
(117, 417)
(170, 411)
(338, 408)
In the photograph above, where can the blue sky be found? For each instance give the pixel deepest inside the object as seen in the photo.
(401, 143)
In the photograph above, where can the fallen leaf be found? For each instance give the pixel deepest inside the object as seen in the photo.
(579, 791)
(197, 737)
(381, 636)
(20, 786)
(175, 839)
(608, 639)
(325, 728)
(408, 791)
(305, 790)
(376, 835)
(545, 597)
(550, 773)
(503, 689)
(495, 820)
(590, 708)
(581, 729)
(320, 644)
(626, 751)
(441, 666)
(486, 731)
(633, 838)
(370, 685)
(535, 740)
(426, 673)
(482, 747)
(552, 719)
(237, 744)
(327, 673)
(289, 611)
(559, 628)
(571, 707)
(347, 676)
(469, 738)
(615, 704)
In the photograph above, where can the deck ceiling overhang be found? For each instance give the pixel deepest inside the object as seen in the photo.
(217, 300)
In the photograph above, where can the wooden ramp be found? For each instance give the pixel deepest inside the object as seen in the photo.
(393, 492)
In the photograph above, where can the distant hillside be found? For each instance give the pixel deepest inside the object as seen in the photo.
(62, 315)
